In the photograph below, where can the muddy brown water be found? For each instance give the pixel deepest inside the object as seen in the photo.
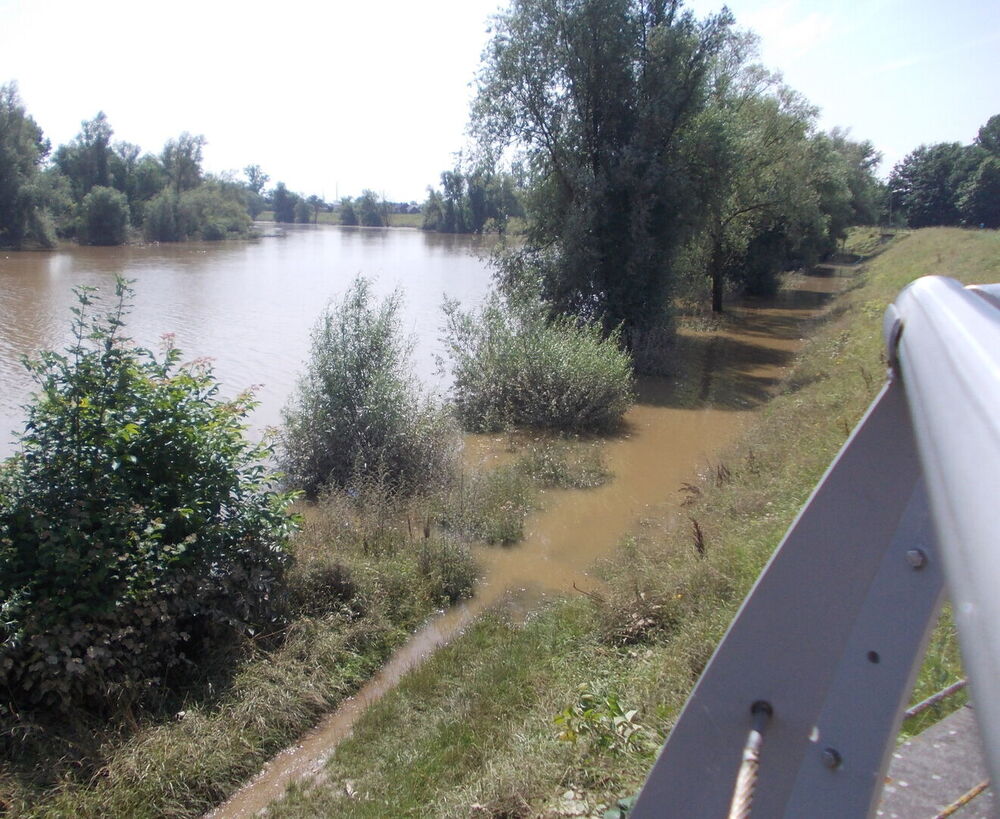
(677, 427)
(247, 306)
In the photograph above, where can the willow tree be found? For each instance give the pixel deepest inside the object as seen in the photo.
(601, 96)
(753, 144)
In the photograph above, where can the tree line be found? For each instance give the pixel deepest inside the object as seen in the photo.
(96, 189)
(100, 191)
(949, 183)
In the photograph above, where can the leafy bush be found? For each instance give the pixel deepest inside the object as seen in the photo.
(103, 217)
(137, 526)
(210, 212)
(357, 414)
(160, 223)
(514, 365)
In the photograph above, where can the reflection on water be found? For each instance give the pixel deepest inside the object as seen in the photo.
(677, 427)
(247, 305)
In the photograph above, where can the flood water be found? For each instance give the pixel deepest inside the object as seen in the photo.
(678, 428)
(249, 306)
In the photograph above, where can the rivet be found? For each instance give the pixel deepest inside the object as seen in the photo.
(831, 758)
(916, 558)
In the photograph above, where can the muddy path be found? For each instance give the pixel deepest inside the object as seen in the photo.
(677, 428)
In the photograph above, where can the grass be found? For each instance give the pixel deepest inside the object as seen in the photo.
(369, 569)
(473, 733)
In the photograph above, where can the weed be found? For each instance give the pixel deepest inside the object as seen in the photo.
(604, 724)
(564, 464)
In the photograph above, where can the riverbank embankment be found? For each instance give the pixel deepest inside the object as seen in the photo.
(559, 714)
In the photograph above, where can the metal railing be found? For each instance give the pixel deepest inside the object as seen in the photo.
(831, 636)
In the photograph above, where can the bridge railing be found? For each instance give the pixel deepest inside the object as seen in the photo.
(797, 711)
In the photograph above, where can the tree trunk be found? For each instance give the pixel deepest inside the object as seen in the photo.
(717, 277)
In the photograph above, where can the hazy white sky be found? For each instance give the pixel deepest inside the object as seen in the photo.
(332, 96)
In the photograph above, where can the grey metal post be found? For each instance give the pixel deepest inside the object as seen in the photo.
(832, 634)
(948, 354)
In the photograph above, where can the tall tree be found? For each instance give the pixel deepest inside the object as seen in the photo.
(181, 159)
(861, 161)
(979, 197)
(256, 178)
(87, 160)
(925, 184)
(989, 136)
(284, 202)
(23, 214)
(751, 144)
(601, 96)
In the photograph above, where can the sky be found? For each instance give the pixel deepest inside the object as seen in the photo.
(332, 97)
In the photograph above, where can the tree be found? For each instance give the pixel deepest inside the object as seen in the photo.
(139, 176)
(979, 197)
(24, 215)
(87, 160)
(989, 136)
(372, 210)
(160, 218)
(256, 178)
(601, 95)
(861, 160)
(284, 202)
(181, 159)
(316, 204)
(925, 184)
(303, 212)
(348, 215)
(103, 217)
(752, 143)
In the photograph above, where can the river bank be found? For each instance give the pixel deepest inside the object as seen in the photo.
(676, 429)
(516, 716)
(472, 730)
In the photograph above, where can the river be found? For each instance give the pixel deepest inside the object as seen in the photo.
(249, 306)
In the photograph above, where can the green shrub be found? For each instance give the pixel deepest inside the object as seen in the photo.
(514, 365)
(160, 222)
(210, 211)
(137, 526)
(103, 217)
(357, 414)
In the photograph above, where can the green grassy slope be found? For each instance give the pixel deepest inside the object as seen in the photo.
(474, 732)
